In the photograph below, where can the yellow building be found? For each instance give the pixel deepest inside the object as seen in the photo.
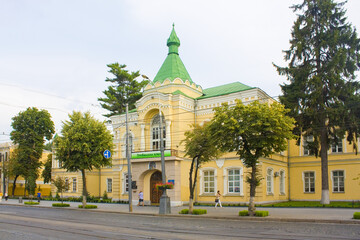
(7, 183)
(288, 175)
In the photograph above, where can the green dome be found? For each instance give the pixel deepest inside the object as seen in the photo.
(172, 67)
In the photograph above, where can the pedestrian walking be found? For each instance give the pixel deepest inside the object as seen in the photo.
(39, 196)
(217, 199)
(141, 198)
(6, 196)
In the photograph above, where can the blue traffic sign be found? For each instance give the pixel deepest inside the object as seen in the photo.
(107, 154)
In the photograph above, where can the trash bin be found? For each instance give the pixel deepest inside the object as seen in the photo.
(20, 199)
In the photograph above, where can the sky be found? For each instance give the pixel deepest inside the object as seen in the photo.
(54, 54)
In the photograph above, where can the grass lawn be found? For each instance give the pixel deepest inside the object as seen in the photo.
(314, 204)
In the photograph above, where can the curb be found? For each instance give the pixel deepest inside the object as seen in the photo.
(233, 218)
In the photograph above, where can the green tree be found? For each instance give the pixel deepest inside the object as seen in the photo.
(81, 146)
(124, 89)
(61, 185)
(31, 128)
(199, 144)
(322, 94)
(46, 173)
(253, 131)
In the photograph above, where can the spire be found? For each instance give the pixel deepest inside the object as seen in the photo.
(172, 67)
(173, 42)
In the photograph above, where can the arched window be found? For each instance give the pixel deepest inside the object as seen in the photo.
(282, 182)
(155, 133)
(269, 181)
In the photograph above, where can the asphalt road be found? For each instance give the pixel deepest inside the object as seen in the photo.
(18, 222)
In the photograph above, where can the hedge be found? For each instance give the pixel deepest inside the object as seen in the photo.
(61, 205)
(257, 213)
(195, 211)
(356, 215)
(88, 206)
(31, 203)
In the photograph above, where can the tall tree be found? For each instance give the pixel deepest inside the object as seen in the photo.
(82, 144)
(31, 128)
(46, 173)
(124, 89)
(199, 144)
(253, 131)
(322, 94)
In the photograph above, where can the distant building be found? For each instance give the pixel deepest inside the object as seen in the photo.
(292, 174)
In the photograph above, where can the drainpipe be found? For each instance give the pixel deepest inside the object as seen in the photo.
(288, 159)
(195, 107)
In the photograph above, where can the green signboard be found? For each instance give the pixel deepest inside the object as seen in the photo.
(151, 154)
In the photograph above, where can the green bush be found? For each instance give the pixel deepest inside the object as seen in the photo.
(31, 203)
(199, 211)
(184, 211)
(356, 215)
(257, 213)
(61, 205)
(261, 213)
(244, 213)
(88, 206)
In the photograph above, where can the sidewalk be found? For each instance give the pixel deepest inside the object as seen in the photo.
(321, 215)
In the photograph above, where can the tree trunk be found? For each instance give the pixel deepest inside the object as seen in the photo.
(14, 186)
(191, 205)
(192, 186)
(253, 181)
(325, 199)
(84, 188)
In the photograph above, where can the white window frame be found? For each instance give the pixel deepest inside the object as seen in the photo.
(282, 181)
(306, 152)
(123, 148)
(202, 183)
(156, 126)
(125, 183)
(269, 181)
(305, 188)
(335, 148)
(333, 181)
(226, 181)
(109, 186)
(74, 183)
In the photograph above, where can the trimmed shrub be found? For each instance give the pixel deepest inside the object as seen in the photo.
(199, 211)
(184, 211)
(31, 203)
(257, 213)
(244, 213)
(61, 205)
(88, 206)
(261, 213)
(356, 215)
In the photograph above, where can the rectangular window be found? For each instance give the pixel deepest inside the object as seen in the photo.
(337, 147)
(305, 144)
(109, 185)
(67, 185)
(269, 181)
(338, 181)
(74, 185)
(234, 181)
(156, 138)
(126, 186)
(209, 182)
(309, 182)
(282, 182)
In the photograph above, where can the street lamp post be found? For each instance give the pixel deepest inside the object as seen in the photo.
(164, 199)
(128, 157)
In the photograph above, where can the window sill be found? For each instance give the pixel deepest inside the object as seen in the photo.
(233, 195)
(207, 195)
(282, 194)
(338, 192)
(269, 194)
(309, 192)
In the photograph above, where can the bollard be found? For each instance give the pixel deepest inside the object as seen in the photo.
(20, 199)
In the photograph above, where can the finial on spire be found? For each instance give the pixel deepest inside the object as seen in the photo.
(173, 25)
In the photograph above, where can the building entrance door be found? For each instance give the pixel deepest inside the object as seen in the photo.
(154, 193)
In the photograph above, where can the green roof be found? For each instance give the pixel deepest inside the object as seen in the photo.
(178, 92)
(172, 67)
(224, 90)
